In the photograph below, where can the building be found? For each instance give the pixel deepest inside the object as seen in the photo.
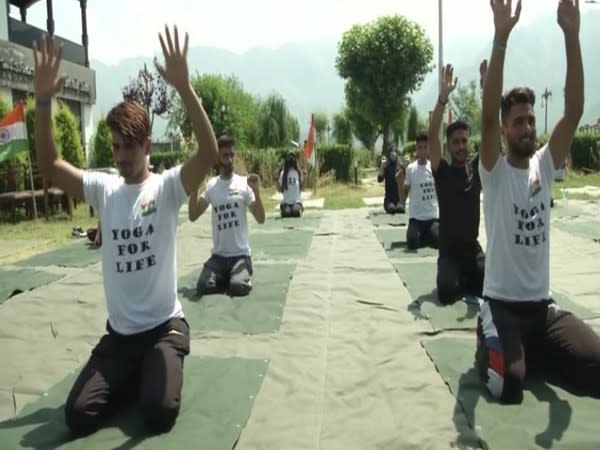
(16, 62)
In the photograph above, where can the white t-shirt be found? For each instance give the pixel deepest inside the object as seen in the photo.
(291, 195)
(423, 204)
(139, 228)
(516, 206)
(229, 200)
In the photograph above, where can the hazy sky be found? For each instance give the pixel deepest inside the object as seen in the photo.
(120, 29)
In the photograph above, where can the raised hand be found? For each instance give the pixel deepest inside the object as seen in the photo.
(483, 68)
(46, 62)
(254, 182)
(448, 83)
(568, 16)
(175, 71)
(504, 20)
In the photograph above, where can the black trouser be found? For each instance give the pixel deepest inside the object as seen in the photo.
(514, 338)
(291, 210)
(392, 208)
(148, 365)
(230, 274)
(460, 273)
(422, 233)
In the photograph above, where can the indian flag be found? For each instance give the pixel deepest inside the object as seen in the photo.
(310, 150)
(13, 134)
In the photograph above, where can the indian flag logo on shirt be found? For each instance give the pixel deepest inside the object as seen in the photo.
(148, 207)
(13, 134)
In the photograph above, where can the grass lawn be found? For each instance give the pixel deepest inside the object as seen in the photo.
(577, 180)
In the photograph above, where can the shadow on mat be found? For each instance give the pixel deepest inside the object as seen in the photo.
(470, 391)
(51, 431)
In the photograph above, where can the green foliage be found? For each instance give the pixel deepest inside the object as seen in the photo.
(342, 128)
(337, 158)
(409, 152)
(385, 60)
(413, 124)
(585, 152)
(166, 160)
(475, 142)
(321, 123)
(363, 158)
(30, 124)
(250, 121)
(102, 146)
(465, 104)
(150, 90)
(68, 137)
(365, 130)
(4, 108)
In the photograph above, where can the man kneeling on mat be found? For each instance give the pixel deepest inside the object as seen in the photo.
(229, 269)
(423, 226)
(147, 338)
(461, 260)
(290, 184)
(520, 328)
(392, 173)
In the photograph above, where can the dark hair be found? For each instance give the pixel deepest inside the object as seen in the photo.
(422, 137)
(225, 141)
(457, 125)
(516, 96)
(291, 162)
(130, 120)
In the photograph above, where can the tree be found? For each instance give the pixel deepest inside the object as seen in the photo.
(150, 90)
(276, 126)
(102, 155)
(4, 108)
(413, 125)
(68, 137)
(322, 126)
(386, 60)
(342, 128)
(465, 104)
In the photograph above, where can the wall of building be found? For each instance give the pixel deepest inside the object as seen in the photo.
(4, 19)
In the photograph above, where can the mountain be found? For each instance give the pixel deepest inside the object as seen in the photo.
(304, 73)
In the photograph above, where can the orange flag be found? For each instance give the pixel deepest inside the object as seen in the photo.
(310, 150)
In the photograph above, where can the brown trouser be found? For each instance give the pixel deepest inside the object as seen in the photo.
(146, 365)
(514, 339)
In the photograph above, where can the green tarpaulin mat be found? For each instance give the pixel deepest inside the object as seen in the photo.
(381, 218)
(549, 417)
(13, 282)
(218, 395)
(393, 241)
(79, 254)
(259, 312)
(308, 220)
(587, 229)
(420, 280)
(290, 244)
(562, 208)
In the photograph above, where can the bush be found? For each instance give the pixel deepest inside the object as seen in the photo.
(585, 152)
(4, 108)
(337, 158)
(68, 137)
(363, 157)
(266, 163)
(102, 146)
(166, 160)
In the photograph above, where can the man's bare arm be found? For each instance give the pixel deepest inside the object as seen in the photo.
(562, 136)
(435, 145)
(196, 206)
(176, 73)
(47, 84)
(257, 208)
(504, 22)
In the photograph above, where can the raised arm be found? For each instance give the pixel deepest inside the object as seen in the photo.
(175, 72)
(562, 136)
(257, 208)
(504, 22)
(196, 206)
(435, 145)
(47, 83)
